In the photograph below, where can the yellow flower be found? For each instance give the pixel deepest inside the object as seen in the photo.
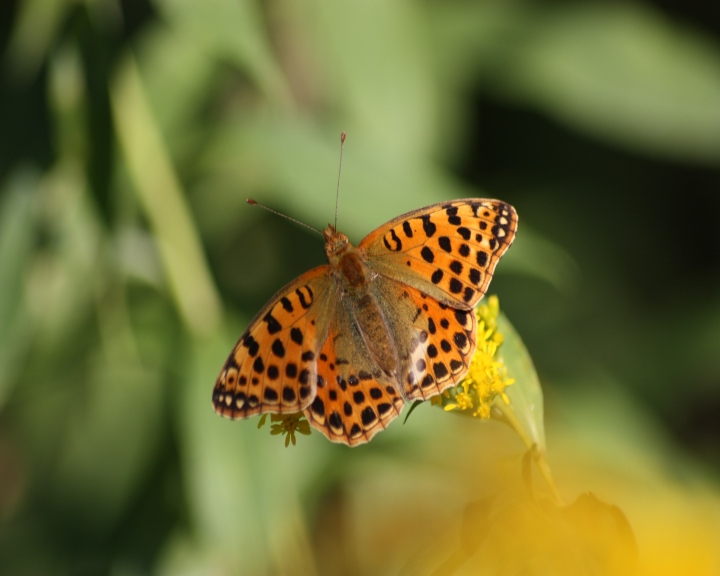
(486, 377)
(463, 401)
(287, 424)
(488, 313)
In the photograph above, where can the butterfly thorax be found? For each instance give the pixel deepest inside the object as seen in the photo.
(354, 279)
(345, 261)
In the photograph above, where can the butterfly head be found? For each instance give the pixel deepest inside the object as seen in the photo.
(335, 242)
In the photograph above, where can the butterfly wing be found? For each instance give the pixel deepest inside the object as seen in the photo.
(434, 341)
(354, 399)
(272, 367)
(448, 250)
(305, 349)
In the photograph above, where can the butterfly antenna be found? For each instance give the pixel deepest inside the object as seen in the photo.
(254, 203)
(337, 191)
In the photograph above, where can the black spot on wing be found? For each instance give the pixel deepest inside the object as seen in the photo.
(278, 349)
(273, 326)
(440, 370)
(431, 326)
(305, 295)
(468, 294)
(318, 407)
(335, 421)
(383, 408)
(427, 254)
(394, 244)
(252, 345)
(368, 416)
(428, 226)
(461, 340)
(407, 229)
(296, 336)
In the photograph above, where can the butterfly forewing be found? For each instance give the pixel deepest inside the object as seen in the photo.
(272, 367)
(449, 250)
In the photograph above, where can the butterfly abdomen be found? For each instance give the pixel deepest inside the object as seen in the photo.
(376, 334)
(372, 324)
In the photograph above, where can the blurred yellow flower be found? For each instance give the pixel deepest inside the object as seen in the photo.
(514, 533)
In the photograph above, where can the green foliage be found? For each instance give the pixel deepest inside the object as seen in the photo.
(132, 133)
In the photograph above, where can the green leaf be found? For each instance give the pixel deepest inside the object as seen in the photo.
(526, 397)
(16, 243)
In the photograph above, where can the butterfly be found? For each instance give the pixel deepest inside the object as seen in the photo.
(385, 323)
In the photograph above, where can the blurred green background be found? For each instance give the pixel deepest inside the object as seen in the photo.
(131, 132)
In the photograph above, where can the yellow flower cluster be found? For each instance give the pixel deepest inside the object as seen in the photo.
(486, 377)
(287, 424)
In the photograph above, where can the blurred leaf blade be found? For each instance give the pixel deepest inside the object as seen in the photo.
(241, 504)
(16, 243)
(161, 194)
(38, 24)
(624, 74)
(231, 29)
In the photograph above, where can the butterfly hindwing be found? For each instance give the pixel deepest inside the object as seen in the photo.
(435, 341)
(448, 250)
(354, 399)
(272, 367)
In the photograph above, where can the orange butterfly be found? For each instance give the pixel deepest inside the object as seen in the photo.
(386, 323)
